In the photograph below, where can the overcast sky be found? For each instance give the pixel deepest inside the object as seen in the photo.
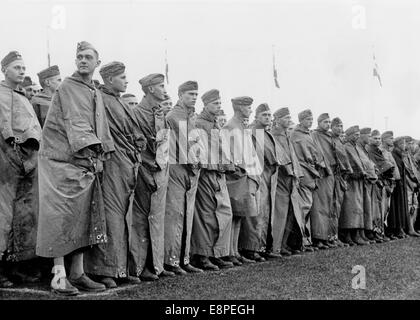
(323, 50)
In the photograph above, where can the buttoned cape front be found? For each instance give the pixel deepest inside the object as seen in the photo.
(150, 195)
(212, 221)
(308, 155)
(287, 200)
(182, 186)
(322, 208)
(271, 158)
(341, 170)
(119, 181)
(352, 210)
(71, 205)
(18, 175)
(243, 184)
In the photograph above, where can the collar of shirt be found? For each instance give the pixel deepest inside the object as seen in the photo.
(301, 128)
(18, 89)
(205, 115)
(107, 90)
(77, 77)
(185, 109)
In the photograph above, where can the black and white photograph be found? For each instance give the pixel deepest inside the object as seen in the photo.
(209, 155)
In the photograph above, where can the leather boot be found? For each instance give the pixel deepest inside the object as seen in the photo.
(175, 269)
(357, 238)
(363, 236)
(347, 238)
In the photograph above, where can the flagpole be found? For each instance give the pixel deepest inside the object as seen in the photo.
(372, 94)
(166, 62)
(48, 47)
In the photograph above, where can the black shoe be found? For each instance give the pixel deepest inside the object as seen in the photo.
(221, 263)
(175, 269)
(66, 290)
(204, 263)
(129, 280)
(270, 255)
(84, 283)
(357, 239)
(243, 259)
(20, 277)
(331, 244)
(232, 259)
(285, 253)
(108, 282)
(252, 255)
(303, 250)
(5, 282)
(190, 269)
(166, 273)
(414, 234)
(385, 239)
(320, 245)
(147, 275)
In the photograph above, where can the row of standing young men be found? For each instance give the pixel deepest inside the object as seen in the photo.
(100, 194)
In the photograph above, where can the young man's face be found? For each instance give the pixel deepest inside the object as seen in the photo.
(87, 61)
(307, 122)
(375, 140)
(337, 129)
(166, 106)
(15, 72)
(158, 91)
(53, 82)
(325, 124)
(222, 120)
(264, 118)
(29, 92)
(246, 111)
(131, 101)
(364, 138)
(189, 98)
(388, 141)
(354, 137)
(214, 107)
(119, 82)
(401, 145)
(284, 122)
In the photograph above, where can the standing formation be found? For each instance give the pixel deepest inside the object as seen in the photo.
(107, 190)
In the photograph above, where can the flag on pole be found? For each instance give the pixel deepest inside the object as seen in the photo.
(276, 82)
(376, 70)
(166, 65)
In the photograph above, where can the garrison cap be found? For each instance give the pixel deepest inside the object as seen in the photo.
(210, 96)
(27, 81)
(152, 79)
(365, 131)
(188, 86)
(336, 121)
(111, 69)
(282, 112)
(10, 57)
(242, 101)
(352, 130)
(323, 116)
(48, 73)
(304, 114)
(262, 108)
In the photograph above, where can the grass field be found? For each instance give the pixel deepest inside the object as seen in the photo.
(392, 272)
